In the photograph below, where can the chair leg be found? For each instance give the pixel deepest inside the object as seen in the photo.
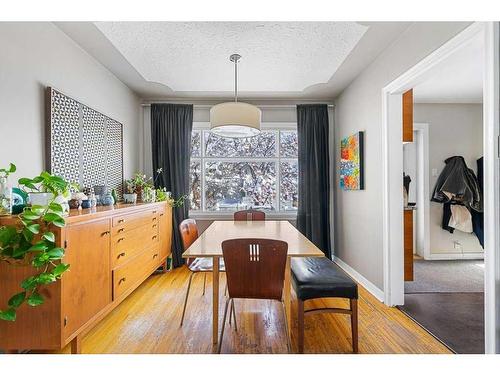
(223, 325)
(233, 310)
(354, 324)
(204, 282)
(186, 299)
(300, 309)
(288, 343)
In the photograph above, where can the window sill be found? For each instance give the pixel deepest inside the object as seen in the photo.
(229, 215)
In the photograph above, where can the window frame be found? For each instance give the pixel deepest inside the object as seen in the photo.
(222, 215)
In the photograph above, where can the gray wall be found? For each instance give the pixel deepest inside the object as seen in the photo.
(454, 129)
(358, 214)
(36, 55)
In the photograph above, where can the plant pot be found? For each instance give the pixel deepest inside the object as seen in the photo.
(148, 195)
(130, 198)
(43, 199)
(63, 202)
(40, 199)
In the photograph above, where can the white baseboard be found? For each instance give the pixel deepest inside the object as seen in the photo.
(368, 285)
(455, 256)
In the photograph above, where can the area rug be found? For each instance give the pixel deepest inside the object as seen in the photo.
(438, 276)
(456, 319)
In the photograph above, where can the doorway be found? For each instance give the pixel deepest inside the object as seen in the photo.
(446, 293)
(393, 168)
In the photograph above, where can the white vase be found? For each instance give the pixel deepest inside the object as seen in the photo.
(40, 199)
(43, 199)
(5, 197)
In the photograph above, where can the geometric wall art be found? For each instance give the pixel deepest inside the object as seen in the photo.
(82, 144)
(351, 162)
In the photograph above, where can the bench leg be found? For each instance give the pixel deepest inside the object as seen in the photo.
(354, 324)
(300, 309)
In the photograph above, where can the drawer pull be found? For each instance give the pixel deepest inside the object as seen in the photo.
(154, 256)
(122, 280)
(120, 239)
(154, 219)
(121, 230)
(105, 233)
(154, 226)
(154, 212)
(162, 214)
(121, 255)
(153, 238)
(121, 220)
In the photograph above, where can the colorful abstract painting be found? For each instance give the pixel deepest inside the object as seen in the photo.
(351, 162)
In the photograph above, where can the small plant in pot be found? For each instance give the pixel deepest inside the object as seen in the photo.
(140, 181)
(32, 242)
(130, 196)
(47, 188)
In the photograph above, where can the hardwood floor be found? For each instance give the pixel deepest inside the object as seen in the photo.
(148, 322)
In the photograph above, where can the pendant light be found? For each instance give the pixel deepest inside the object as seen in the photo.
(235, 119)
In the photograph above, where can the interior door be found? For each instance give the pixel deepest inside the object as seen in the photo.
(86, 287)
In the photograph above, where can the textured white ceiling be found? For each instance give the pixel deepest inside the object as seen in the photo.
(194, 56)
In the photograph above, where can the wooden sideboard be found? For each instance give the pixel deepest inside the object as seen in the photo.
(111, 251)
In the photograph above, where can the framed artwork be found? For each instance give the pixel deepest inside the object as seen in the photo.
(351, 162)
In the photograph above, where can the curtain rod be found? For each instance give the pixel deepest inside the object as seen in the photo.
(257, 105)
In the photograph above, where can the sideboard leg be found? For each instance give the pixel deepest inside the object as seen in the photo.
(76, 345)
(12, 351)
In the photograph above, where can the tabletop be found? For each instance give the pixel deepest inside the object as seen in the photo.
(209, 242)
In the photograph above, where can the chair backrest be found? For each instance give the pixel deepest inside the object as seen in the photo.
(249, 215)
(189, 234)
(255, 267)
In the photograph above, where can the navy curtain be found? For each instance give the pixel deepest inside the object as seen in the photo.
(313, 218)
(171, 126)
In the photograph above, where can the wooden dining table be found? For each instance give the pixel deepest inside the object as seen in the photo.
(209, 245)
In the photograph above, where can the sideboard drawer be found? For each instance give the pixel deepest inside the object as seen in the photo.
(134, 271)
(128, 244)
(124, 223)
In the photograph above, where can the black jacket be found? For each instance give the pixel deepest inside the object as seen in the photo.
(458, 179)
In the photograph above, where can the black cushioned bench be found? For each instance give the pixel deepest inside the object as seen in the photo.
(319, 277)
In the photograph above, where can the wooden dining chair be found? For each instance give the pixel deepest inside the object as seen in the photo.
(189, 234)
(255, 268)
(249, 215)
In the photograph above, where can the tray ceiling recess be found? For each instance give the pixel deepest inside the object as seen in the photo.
(192, 56)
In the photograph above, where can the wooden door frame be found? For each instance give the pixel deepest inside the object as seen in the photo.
(393, 166)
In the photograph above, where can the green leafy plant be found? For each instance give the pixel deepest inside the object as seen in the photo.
(5, 172)
(162, 195)
(33, 242)
(140, 181)
(47, 183)
(178, 202)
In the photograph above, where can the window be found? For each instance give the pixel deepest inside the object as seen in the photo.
(235, 174)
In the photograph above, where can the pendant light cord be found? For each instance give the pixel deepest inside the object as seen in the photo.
(236, 80)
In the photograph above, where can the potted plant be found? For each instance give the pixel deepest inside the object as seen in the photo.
(140, 181)
(47, 188)
(130, 196)
(32, 243)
